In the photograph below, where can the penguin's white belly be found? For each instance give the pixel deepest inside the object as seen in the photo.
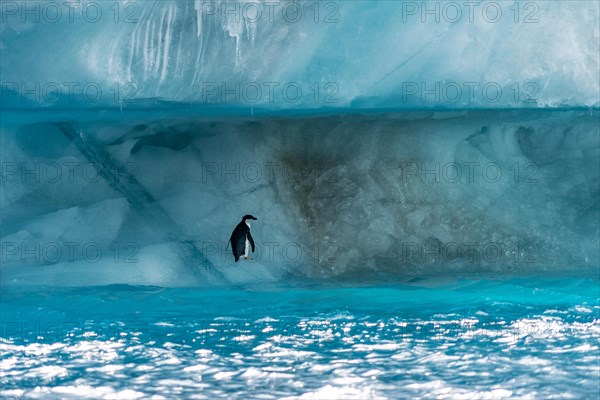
(247, 248)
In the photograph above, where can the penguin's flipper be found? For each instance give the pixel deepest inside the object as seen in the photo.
(251, 241)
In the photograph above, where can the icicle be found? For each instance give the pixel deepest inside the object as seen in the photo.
(198, 7)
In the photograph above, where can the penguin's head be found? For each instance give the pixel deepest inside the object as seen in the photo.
(247, 218)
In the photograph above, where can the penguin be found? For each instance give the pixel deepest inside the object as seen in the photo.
(241, 239)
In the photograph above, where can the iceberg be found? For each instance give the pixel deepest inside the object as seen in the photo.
(410, 138)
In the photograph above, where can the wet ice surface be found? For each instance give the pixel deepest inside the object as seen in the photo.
(472, 339)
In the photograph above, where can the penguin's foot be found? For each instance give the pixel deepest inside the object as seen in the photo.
(247, 258)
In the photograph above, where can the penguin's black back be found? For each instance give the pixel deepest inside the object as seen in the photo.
(238, 240)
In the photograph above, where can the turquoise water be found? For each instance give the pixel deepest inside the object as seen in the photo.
(521, 337)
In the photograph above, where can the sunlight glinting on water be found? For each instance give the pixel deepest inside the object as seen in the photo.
(340, 356)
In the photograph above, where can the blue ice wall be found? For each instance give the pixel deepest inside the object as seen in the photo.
(301, 55)
(141, 199)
